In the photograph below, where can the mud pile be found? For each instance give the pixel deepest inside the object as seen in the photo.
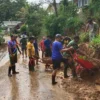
(85, 89)
(88, 86)
(90, 54)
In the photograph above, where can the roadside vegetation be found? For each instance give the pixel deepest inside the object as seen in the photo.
(63, 18)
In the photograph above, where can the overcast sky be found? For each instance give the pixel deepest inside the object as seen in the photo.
(36, 1)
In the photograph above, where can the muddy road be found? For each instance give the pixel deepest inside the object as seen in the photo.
(37, 85)
(29, 86)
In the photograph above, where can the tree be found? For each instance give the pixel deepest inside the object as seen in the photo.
(67, 21)
(9, 8)
(4, 10)
(35, 18)
(55, 7)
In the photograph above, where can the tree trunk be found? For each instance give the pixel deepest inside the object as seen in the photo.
(55, 7)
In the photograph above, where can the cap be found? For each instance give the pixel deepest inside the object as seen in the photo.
(58, 35)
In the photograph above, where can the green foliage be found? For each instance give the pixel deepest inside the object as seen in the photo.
(73, 24)
(92, 10)
(84, 37)
(33, 16)
(9, 8)
(34, 19)
(96, 42)
(67, 21)
(23, 28)
(55, 24)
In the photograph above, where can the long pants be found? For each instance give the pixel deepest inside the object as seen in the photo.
(73, 68)
(48, 52)
(91, 36)
(31, 64)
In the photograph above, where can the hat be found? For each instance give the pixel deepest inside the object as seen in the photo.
(58, 35)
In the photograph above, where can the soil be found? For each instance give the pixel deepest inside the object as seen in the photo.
(87, 88)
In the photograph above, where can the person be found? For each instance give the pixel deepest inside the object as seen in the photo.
(17, 44)
(23, 43)
(24, 34)
(36, 50)
(65, 42)
(57, 49)
(42, 46)
(73, 45)
(48, 45)
(31, 53)
(48, 52)
(12, 49)
(93, 29)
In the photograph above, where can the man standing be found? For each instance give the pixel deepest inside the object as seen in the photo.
(48, 52)
(12, 49)
(73, 46)
(23, 43)
(48, 45)
(42, 46)
(31, 53)
(57, 49)
(92, 27)
(36, 50)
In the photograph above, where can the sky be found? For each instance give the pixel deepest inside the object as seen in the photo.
(37, 1)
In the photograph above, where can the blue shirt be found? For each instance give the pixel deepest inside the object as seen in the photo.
(12, 45)
(56, 48)
(47, 43)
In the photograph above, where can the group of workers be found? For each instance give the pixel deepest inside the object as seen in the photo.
(60, 50)
(57, 50)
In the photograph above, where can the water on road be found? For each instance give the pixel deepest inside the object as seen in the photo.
(29, 86)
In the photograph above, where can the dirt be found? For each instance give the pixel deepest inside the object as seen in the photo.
(86, 88)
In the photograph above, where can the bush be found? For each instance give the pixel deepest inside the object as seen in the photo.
(23, 28)
(96, 42)
(55, 24)
(84, 37)
(74, 24)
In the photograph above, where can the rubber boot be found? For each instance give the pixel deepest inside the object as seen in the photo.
(74, 73)
(14, 70)
(53, 80)
(9, 71)
(31, 68)
(65, 72)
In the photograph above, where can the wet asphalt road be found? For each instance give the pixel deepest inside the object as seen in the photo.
(29, 86)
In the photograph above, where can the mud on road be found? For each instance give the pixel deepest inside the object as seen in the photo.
(37, 85)
(30, 86)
